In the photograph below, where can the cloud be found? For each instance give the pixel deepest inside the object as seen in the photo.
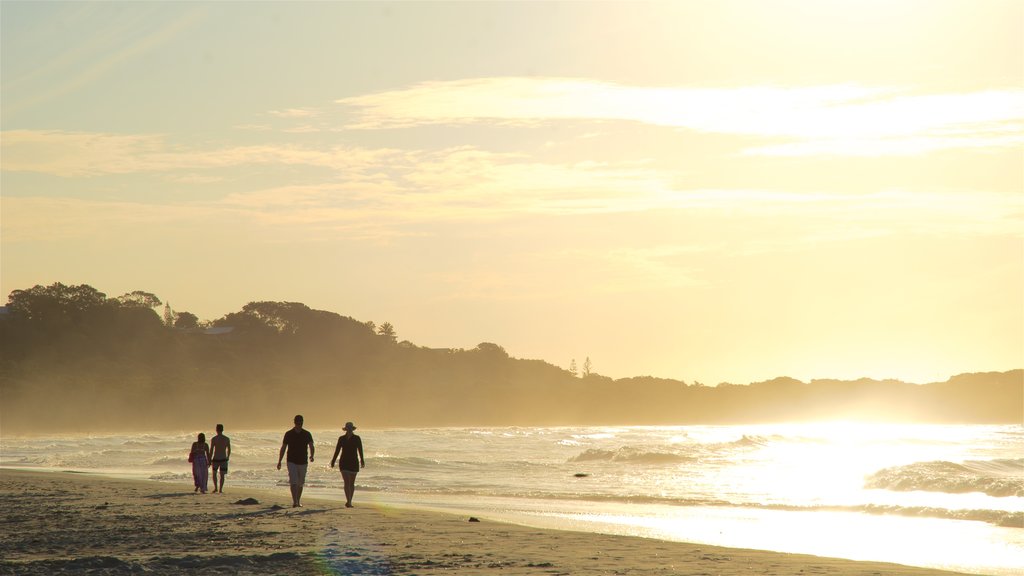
(194, 178)
(71, 154)
(842, 119)
(48, 219)
(888, 146)
(383, 192)
(119, 38)
(294, 113)
(78, 154)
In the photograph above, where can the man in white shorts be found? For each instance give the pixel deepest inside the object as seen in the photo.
(295, 442)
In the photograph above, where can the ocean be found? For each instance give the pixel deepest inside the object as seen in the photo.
(949, 497)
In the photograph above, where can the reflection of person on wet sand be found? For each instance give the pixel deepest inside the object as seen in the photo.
(221, 448)
(295, 442)
(200, 463)
(351, 448)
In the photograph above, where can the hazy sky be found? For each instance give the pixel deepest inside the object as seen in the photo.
(711, 191)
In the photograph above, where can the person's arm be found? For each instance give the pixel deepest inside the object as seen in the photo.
(312, 447)
(362, 462)
(209, 455)
(337, 449)
(284, 446)
(227, 449)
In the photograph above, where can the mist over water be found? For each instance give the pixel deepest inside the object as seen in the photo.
(777, 487)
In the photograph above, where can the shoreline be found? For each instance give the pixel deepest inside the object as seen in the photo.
(76, 522)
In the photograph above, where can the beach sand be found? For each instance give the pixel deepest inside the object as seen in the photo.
(78, 523)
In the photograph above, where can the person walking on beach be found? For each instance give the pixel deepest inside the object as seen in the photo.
(295, 442)
(200, 457)
(351, 448)
(220, 446)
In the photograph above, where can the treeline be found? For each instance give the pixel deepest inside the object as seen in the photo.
(72, 358)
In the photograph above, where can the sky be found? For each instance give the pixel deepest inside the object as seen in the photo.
(725, 191)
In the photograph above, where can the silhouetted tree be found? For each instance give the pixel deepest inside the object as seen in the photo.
(587, 367)
(244, 323)
(284, 317)
(139, 299)
(387, 331)
(491, 349)
(55, 302)
(186, 321)
(572, 368)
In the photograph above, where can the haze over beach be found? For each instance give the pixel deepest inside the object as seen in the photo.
(654, 288)
(712, 192)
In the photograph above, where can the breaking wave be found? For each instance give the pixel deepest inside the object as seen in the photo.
(751, 441)
(998, 478)
(631, 455)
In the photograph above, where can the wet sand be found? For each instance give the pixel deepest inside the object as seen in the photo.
(78, 523)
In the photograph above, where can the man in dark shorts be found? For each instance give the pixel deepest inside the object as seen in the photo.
(295, 442)
(221, 447)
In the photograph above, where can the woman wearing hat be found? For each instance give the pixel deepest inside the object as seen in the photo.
(351, 448)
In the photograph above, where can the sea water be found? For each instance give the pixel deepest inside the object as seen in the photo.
(949, 497)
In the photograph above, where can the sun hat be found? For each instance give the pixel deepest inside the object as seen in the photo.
(350, 426)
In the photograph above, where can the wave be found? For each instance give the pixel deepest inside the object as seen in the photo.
(171, 476)
(169, 461)
(1000, 478)
(631, 455)
(674, 454)
(751, 441)
(405, 462)
(1001, 518)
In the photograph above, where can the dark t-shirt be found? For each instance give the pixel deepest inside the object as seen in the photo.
(297, 442)
(350, 448)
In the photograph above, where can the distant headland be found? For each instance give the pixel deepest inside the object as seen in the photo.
(73, 359)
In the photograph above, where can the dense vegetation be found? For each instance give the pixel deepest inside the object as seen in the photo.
(73, 359)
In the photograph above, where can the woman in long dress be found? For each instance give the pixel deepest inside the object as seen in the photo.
(200, 463)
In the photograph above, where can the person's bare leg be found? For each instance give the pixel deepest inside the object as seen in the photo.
(350, 488)
(295, 494)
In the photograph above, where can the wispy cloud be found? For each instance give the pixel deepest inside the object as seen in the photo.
(72, 154)
(833, 119)
(35, 219)
(294, 113)
(393, 188)
(84, 154)
(118, 40)
(897, 146)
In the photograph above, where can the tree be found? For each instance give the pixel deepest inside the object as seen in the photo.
(387, 331)
(186, 321)
(139, 299)
(55, 302)
(285, 317)
(587, 367)
(572, 368)
(492, 349)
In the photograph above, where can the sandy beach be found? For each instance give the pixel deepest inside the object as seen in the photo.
(78, 523)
